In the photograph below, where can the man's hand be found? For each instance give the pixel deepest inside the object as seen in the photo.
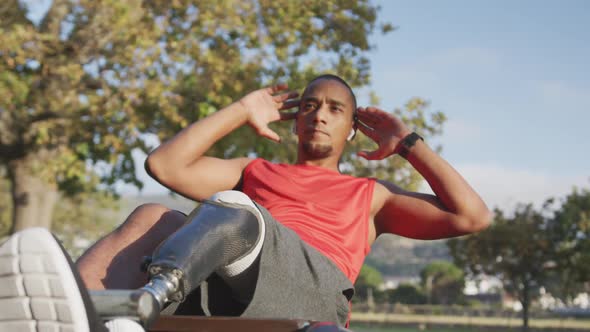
(263, 107)
(384, 128)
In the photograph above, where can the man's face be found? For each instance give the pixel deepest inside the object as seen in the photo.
(325, 117)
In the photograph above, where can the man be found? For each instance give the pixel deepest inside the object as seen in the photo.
(312, 227)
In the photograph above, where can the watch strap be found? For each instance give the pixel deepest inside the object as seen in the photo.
(407, 143)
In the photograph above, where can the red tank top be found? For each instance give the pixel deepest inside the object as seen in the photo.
(328, 210)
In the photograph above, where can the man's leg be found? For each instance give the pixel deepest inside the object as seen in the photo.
(114, 261)
(223, 235)
(241, 275)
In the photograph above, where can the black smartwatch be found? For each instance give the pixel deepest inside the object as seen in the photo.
(407, 143)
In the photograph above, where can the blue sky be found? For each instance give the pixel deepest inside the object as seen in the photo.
(512, 78)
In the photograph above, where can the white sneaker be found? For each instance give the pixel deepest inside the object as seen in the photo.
(123, 325)
(40, 289)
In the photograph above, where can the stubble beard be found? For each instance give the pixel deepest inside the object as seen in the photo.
(317, 150)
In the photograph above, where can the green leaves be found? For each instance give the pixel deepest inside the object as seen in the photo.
(13, 90)
(533, 248)
(442, 282)
(500, 250)
(514, 249)
(368, 278)
(86, 82)
(569, 233)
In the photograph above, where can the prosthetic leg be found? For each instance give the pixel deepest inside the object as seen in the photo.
(215, 235)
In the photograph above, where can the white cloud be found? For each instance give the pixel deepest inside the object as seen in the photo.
(505, 187)
(461, 130)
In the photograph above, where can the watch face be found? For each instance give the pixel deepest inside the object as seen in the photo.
(410, 140)
(407, 143)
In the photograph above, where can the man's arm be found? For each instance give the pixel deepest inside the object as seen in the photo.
(455, 209)
(179, 163)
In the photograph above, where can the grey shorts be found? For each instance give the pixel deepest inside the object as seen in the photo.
(294, 281)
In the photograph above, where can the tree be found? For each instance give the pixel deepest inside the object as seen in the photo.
(4, 208)
(78, 220)
(569, 231)
(516, 249)
(406, 294)
(82, 86)
(368, 278)
(442, 282)
(81, 220)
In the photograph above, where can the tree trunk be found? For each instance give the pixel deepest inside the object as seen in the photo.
(525, 306)
(33, 198)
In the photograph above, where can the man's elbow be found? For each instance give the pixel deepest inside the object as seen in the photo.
(154, 168)
(480, 221)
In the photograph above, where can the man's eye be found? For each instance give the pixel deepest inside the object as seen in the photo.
(309, 106)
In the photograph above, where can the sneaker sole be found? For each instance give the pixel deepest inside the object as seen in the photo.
(38, 290)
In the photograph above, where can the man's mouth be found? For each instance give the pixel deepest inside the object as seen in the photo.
(314, 131)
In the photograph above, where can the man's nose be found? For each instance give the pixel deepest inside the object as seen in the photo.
(320, 113)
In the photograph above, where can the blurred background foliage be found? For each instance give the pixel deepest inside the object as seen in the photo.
(532, 251)
(85, 83)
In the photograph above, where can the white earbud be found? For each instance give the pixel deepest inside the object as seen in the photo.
(294, 129)
(351, 135)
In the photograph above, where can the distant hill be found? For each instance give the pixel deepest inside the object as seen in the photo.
(393, 256)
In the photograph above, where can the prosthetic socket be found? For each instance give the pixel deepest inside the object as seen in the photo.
(214, 235)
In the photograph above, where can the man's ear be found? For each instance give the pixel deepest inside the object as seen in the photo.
(352, 133)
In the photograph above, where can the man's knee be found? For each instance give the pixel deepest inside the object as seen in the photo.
(150, 209)
(257, 228)
(149, 215)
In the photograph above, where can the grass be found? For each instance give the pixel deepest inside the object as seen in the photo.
(361, 328)
(394, 328)
(379, 322)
